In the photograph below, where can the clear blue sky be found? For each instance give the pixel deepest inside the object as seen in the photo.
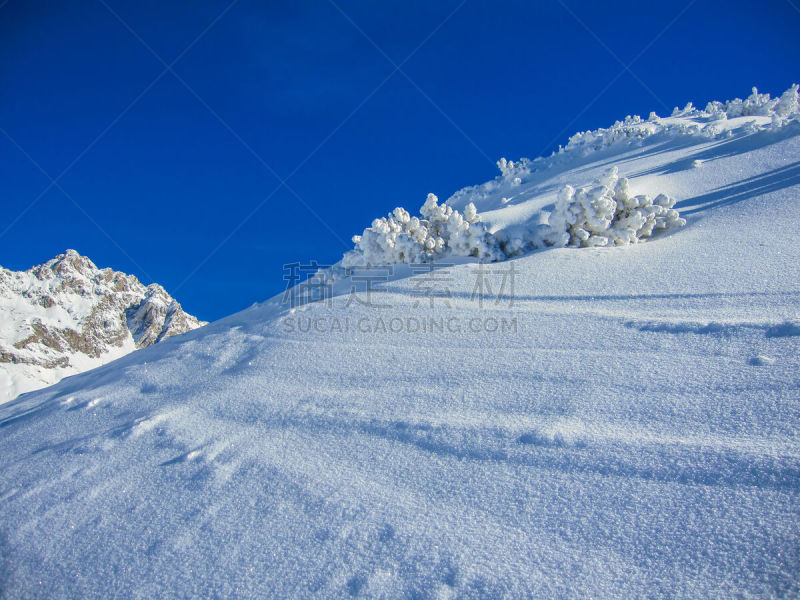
(312, 89)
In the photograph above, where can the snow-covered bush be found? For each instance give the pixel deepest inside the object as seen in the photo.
(780, 109)
(787, 106)
(606, 214)
(442, 231)
(755, 104)
(633, 130)
(514, 171)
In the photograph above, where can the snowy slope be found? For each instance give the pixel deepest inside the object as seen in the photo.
(67, 316)
(623, 423)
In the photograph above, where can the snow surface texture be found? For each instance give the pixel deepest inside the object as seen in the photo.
(67, 316)
(635, 435)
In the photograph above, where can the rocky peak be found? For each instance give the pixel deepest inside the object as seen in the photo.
(67, 315)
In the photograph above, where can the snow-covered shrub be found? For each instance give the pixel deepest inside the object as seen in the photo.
(788, 105)
(755, 104)
(634, 129)
(442, 231)
(716, 111)
(780, 109)
(606, 214)
(687, 110)
(514, 171)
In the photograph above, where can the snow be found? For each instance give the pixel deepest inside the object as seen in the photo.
(618, 422)
(21, 378)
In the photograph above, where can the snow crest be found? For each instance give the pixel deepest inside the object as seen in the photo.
(719, 120)
(776, 113)
(604, 215)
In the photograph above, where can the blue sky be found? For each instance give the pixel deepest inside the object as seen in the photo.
(282, 129)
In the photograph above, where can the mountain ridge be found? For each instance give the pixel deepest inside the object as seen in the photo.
(66, 315)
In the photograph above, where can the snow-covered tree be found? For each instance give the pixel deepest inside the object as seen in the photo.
(606, 214)
(787, 106)
(514, 171)
(442, 231)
